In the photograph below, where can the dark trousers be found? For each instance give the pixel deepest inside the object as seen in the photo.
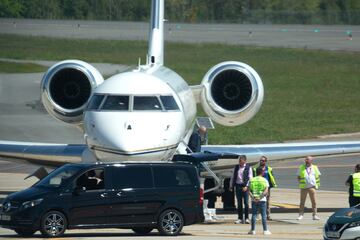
(242, 202)
(353, 201)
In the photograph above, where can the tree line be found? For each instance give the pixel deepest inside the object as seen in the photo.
(194, 11)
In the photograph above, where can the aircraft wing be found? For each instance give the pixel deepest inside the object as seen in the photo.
(44, 154)
(278, 151)
(50, 154)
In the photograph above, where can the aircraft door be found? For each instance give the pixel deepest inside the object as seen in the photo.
(89, 200)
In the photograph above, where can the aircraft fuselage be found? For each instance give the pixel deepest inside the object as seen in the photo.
(148, 111)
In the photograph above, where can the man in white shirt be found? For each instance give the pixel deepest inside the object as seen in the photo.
(308, 176)
(240, 180)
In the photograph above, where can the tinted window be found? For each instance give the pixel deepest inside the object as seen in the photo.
(92, 180)
(131, 177)
(147, 103)
(59, 176)
(172, 177)
(169, 103)
(116, 103)
(95, 102)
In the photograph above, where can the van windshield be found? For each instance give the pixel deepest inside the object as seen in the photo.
(59, 176)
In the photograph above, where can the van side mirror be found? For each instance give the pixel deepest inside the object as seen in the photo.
(78, 190)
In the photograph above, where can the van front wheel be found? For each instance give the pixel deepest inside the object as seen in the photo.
(170, 222)
(53, 224)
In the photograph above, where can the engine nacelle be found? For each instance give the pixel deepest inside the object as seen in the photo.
(233, 93)
(66, 87)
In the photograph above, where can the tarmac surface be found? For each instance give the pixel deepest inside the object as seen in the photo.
(329, 37)
(285, 205)
(283, 226)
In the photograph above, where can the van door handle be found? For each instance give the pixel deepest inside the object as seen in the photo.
(103, 195)
(119, 194)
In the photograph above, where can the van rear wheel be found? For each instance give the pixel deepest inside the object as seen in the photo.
(142, 230)
(170, 222)
(53, 224)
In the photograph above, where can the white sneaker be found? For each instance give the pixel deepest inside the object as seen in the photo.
(267, 232)
(247, 221)
(238, 221)
(252, 233)
(315, 217)
(300, 217)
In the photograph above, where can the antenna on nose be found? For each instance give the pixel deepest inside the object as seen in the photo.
(156, 34)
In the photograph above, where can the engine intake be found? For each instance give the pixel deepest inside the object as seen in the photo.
(66, 87)
(233, 93)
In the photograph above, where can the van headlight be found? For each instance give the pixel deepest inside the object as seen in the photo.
(31, 203)
(354, 224)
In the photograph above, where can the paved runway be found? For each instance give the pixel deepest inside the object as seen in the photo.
(293, 36)
(226, 229)
(284, 225)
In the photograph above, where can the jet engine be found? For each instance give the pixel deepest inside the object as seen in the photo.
(66, 87)
(232, 93)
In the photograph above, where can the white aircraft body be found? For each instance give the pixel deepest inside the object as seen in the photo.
(149, 113)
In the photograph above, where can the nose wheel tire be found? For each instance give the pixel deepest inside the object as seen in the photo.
(170, 222)
(53, 224)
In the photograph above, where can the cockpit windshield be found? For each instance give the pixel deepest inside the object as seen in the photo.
(95, 102)
(59, 176)
(169, 103)
(147, 103)
(107, 102)
(116, 103)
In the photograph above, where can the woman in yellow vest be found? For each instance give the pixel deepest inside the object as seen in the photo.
(309, 180)
(258, 188)
(353, 182)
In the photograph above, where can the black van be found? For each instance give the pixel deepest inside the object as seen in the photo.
(137, 196)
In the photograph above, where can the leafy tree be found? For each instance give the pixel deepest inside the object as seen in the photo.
(10, 8)
(243, 11)
(49, 9)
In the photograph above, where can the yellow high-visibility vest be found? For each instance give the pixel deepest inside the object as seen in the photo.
(257, 186)
(356, 184)
(302, 182)
(271, 176)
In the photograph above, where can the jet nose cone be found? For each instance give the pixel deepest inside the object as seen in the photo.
(138, 134)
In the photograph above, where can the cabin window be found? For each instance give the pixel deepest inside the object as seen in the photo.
(116, 103)
(169, 103)
(95, 102)
(131, 177)
(147, 103)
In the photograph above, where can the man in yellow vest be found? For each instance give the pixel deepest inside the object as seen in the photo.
(268, 175)
(354, 187)
(258, 188)
(309, 180)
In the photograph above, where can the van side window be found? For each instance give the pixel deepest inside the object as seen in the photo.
(171, 177)
(131, 177)
(92, 180)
